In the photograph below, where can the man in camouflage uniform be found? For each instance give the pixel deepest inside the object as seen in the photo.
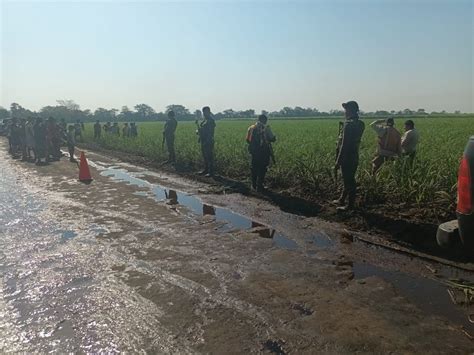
(348, 157)
(206, 138)
(259, 139)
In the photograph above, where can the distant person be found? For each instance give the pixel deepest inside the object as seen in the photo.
(41, 142)
(133, 130)
(71, 143)
(125, 130)
(15, 136)
(260, 138)
(107, 127)
(115, 130)
(389, 142)
(410, 139)
(54, 139)
(169, 135)
(63, 126)
(24, 150)
(206, 138)
(97, 130)
(30, 139)
(78, 130)
(348, 157)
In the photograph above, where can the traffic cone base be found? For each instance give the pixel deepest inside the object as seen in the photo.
(84, 171)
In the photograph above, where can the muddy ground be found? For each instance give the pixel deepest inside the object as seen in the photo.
(146, 261)
(412, 228)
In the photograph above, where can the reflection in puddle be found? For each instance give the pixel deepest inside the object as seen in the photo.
(208, 210)
(262, 230)
(429, 295)
(66, 234)
(230, 219)
(321, 240)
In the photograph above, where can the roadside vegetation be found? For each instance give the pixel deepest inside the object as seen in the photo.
(305, 152)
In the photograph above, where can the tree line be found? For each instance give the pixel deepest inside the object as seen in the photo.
(71, 112)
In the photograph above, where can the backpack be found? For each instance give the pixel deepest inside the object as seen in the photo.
(255, 138)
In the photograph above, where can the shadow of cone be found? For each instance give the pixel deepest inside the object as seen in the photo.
(84, 171)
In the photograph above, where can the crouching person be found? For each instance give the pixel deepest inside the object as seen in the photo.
(260, 138)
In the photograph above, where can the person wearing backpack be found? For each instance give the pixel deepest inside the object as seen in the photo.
(259, 139)
(389, 142)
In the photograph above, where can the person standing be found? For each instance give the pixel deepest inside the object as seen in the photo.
(78, 130)
(41, 142)
(259, 139)
(206, 138)
(348, 157)
(133, 130)
(125, 130)
(30, 139)
(169, 135)
(15, 137)
(71, 143)
(115, 130)
(410, 139)
(54, 139)
(389, 142)
(97, 130)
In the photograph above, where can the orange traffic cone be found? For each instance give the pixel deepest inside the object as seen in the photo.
(84, 172)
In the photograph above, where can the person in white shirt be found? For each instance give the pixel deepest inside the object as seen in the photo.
(410, 139)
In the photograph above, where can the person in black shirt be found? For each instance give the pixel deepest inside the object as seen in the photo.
(348, 158)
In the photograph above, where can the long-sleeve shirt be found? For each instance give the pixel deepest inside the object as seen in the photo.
(389, 140)
(350, 142)
(206, 130)
(410, 140)
(170, 128)
(264, 130)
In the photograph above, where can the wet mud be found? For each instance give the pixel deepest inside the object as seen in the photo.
(144, 261)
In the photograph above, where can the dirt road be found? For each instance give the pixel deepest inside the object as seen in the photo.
(141, 261)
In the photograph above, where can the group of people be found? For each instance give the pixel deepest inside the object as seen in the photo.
(391, 144)
(128, 130)
(39, 141)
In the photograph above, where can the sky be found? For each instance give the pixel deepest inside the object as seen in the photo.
(236, 54)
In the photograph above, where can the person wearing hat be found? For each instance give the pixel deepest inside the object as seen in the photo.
(348, 157)
(389, 142)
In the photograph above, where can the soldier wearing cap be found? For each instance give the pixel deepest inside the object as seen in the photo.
(389, 142)
(348, 157)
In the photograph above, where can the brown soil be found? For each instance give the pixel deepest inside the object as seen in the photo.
(410, 226)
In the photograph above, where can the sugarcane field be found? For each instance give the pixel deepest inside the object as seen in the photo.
(329, 218)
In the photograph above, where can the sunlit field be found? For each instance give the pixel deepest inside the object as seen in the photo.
(305, 153)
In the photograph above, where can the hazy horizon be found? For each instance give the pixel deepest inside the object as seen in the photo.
(242, 55)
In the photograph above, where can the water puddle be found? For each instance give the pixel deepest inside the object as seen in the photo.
(230, 220)
(431, 296)
(321, 240)
(66, 234)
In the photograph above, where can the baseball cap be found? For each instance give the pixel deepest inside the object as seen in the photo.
(351, 105)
